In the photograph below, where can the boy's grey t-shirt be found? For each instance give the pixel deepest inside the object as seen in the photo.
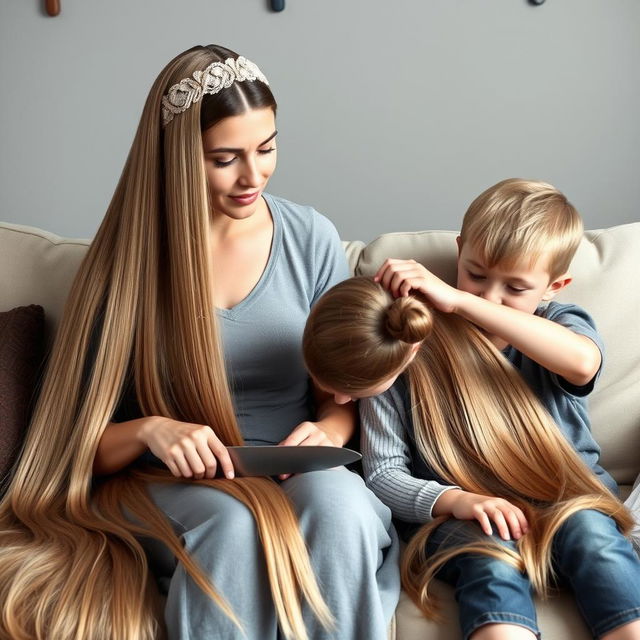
(262, 335)
(566, 403)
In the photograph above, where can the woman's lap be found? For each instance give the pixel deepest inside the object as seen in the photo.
(352, 545)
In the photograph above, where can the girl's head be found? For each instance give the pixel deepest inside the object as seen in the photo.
(358, 339)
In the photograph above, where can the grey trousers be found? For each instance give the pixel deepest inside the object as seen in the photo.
(352, 544)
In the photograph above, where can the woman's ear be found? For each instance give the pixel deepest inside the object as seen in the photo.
(556, 286)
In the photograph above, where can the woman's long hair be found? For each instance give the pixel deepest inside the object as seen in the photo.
(477, 424)
(70, 564)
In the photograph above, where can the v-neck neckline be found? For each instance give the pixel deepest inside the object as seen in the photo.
(266, 275)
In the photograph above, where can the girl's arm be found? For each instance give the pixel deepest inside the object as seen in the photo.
(387, 459)
(387, 463)
(188, 450)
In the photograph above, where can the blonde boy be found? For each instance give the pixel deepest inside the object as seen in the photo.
(514, 250)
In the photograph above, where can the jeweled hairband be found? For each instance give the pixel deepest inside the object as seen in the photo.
(216, 77)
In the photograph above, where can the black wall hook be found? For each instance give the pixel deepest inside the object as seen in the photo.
(277, 5)
(536, 1)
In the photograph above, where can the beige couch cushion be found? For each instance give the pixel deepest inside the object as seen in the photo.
(37, 267)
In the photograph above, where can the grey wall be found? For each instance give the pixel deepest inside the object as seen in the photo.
(393, 115)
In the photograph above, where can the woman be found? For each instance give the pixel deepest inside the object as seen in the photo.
(492, 497)
(148, 384)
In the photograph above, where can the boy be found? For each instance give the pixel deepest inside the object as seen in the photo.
(514, 250)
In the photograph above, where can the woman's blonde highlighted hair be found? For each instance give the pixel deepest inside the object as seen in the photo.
(71, 567)
(477, 424)
(516, 218)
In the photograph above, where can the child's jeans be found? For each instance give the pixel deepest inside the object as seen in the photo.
(590, 556)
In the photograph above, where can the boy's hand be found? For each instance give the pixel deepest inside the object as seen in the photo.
(400, 277)
(509, 520)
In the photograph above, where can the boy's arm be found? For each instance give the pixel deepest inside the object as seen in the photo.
(574, 357)
(570, 355)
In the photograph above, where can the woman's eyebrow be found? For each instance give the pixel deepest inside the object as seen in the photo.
(237, 150)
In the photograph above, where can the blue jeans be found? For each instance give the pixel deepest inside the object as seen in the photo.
(590, 556)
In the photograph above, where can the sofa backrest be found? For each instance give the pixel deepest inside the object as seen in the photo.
(37, 267)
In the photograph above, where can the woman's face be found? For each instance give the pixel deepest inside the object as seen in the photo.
(240, 156)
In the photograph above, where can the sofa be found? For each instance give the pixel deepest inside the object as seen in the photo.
(37, 267)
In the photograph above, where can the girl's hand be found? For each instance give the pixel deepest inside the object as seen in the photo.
(188, 450)
(509, 520)
(307, 434)
(400, 277)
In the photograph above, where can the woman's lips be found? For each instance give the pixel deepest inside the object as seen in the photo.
(246, 198)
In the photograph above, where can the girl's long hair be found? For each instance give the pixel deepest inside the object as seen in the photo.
(476, 422)
(71, 566)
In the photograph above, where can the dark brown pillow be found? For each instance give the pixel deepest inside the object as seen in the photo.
(21, 355)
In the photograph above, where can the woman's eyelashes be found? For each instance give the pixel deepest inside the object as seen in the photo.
(222, 162)
(225, 162)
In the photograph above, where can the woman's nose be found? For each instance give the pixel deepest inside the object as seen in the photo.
(250, 175)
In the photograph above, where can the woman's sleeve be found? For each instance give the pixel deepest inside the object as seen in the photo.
(386, 460)
(329, 257)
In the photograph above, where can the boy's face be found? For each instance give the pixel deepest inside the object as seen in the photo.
(521, 287)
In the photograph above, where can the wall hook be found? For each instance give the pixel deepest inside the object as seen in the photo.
(52, 7)
(277, 5)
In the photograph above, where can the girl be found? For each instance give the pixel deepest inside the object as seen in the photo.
(492, 497)
(148, 384)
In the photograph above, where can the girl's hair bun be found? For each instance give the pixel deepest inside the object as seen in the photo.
(408, 320)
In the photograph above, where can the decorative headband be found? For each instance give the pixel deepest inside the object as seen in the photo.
(216, 77)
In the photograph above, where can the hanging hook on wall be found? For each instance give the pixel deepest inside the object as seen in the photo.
(536, 1)
(277, 5)
(52, 7)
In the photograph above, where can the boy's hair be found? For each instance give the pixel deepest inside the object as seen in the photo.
(518, 219)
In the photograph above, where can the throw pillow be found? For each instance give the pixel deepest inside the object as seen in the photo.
(21, 356)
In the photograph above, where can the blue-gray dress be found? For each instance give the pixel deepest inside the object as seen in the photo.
(352, 543)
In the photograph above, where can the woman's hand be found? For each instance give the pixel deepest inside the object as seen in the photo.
(188, 450)
(509, 520)
(308, 434)
(400, 277)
